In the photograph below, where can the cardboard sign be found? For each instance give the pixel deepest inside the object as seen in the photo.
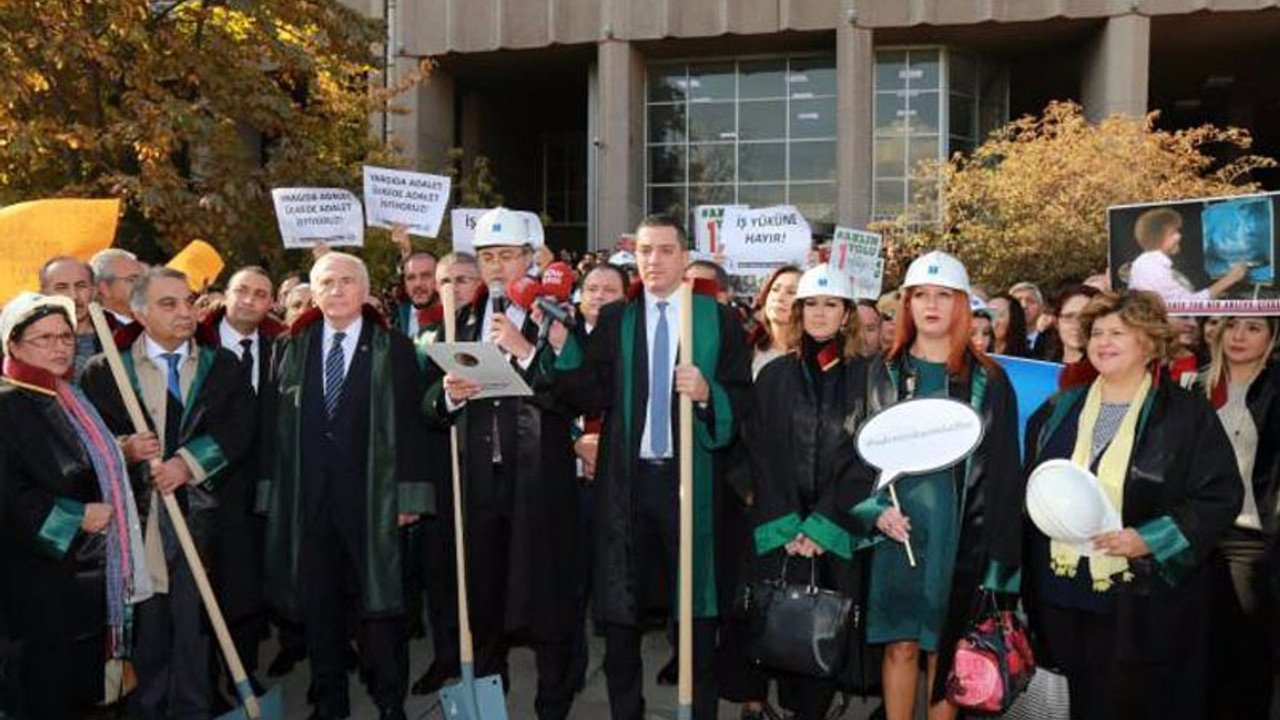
(918, 436)
(33, 232)
(407, 198)
(200, 262)
(310, 216)
(1180, 249)
(706, 228)
(856, 253)
(462, 224)
(756, 242)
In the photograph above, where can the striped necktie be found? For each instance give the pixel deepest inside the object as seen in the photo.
(334, 370)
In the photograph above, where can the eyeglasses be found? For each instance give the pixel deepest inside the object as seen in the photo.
(49, 339)
(490, 257)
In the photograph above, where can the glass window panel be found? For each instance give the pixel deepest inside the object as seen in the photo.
(962, 73)
(712, 81)
(712, 121)
(762, 79)
(921, 148)
(669, 200)
(762, 161)
(816, 201)
(890, 64)
(711, 163)
(923, 193)
(891, 111)
(961, 116)
(890, 198)
(890, 157)
(667, 83)
(710, 195)
(960, 144)
(813, 160)
(762, 120)
(811, 77)
(813, 118)
(762, 195)
(922, 69)
(924, 112)
(666, 123)
(666, 164)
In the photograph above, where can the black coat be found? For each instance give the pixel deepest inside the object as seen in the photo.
(1182, 468)
(991, 483)
(542, 497)
(800, 436)
(54, 600)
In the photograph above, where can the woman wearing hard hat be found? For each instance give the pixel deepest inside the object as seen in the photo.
(964, 523)
(808, 405)
(1126, 616)
(1243, 384)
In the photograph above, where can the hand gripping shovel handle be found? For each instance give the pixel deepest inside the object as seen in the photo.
(684, 688)
(179, 522)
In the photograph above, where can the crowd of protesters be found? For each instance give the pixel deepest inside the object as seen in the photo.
(304, 431)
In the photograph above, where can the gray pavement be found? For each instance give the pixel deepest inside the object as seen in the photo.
(591, 704)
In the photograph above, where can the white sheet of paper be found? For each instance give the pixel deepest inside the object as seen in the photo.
(482, 362)
(409, 198)
(757, 241)
(309, 216)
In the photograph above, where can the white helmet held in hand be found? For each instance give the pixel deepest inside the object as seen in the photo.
(937, 268)
(824, 280)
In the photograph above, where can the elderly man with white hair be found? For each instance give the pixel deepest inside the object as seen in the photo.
(348, 472)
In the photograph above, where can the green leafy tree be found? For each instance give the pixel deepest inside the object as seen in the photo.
(1031, 203)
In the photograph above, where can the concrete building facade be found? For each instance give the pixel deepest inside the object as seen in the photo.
(599, 111)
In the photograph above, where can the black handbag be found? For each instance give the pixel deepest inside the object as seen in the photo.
(795, 627)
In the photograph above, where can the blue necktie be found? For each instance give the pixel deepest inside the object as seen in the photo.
(172, 405)
(334, 363)
(174, 384)
(660, 387)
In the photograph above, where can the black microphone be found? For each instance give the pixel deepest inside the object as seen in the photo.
(498, 294)
(552, 311)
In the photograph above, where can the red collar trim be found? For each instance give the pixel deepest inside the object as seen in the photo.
(312, 316)
(30, 375)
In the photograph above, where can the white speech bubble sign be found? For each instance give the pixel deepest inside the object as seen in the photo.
(918, 436)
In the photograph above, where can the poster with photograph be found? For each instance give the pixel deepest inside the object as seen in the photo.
(1208, 256)
(755, 242)
(856, 253)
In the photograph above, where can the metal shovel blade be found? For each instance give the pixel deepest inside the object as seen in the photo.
(474, 699)
(270, 707)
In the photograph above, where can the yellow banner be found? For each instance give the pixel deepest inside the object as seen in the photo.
(33, 232)
(200, 262)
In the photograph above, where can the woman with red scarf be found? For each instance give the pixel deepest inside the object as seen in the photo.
(71, 544)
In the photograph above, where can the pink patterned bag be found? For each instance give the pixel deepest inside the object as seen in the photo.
(993, 662)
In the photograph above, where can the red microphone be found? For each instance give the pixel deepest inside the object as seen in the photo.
(557, 282)
(524, 291)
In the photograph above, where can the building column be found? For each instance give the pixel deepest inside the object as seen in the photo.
(1117, 65)
(618, 195)
(426, 131)
(855, 75)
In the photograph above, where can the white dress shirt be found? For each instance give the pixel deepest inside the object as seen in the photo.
(673, 334)
(155, 353)
(232, 339)
(1153, 270)
(349, 343)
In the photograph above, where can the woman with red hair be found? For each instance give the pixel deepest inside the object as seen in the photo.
(963, 522)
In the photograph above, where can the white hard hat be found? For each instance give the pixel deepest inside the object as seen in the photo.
(501, 227)
(823, 280)
(622, 258)
(937, 268)
(1066, 502)
(29, 305)
(537, 236)
(979, 306)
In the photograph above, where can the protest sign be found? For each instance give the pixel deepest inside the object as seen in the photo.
(856, 253)
(706, 228)
(407, 198)
(482, 363)
(755, 242)
(199, 262)
(32, 232)
(1189, 251)
(310, 216)
(918, 436)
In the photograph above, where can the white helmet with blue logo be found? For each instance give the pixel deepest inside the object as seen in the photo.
(824, 280)
(937, 268)
(502, 226)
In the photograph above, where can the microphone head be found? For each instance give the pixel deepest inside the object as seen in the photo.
(498, 294)
(523, 291)
(557, 281)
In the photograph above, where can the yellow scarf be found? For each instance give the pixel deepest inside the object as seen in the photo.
(1064, 558)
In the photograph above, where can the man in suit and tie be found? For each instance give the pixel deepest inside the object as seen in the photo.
(629, 371)
(348, 472)
(242, 327)
(519, 488)
(201, 419)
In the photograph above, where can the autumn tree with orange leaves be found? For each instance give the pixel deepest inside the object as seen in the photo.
(1030, 203)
